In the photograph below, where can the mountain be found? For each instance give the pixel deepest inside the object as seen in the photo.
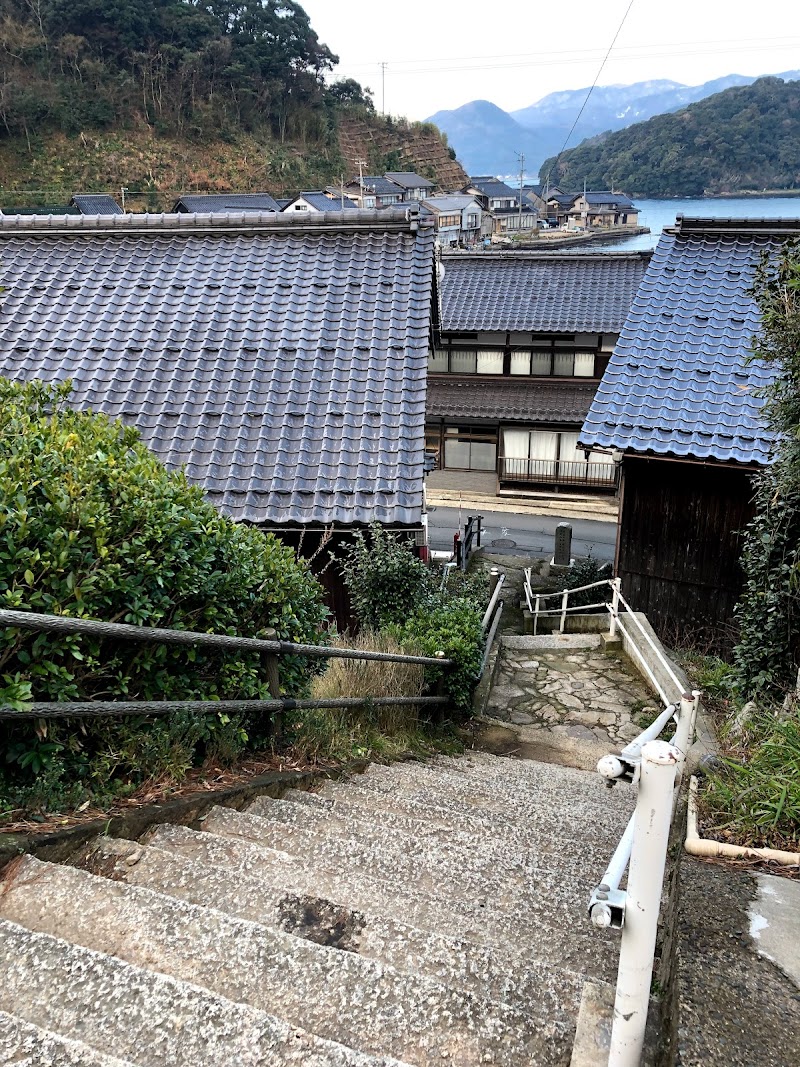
(742, 139)
(485, 141)
(167, 96)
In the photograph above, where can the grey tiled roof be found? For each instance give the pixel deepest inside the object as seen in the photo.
(510, 400)
(408, 179)
(678, 383)
(281, 359)
(450, 203)
(196, 202)
(95, 204)
(540, 292)
(595, 199)
(493, 188)
(377, 184)
(324, 203)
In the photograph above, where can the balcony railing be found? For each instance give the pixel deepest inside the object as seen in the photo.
(558, 472)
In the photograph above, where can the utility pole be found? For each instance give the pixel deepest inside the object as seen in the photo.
(383, 88)
(361, 163)
(521, 179)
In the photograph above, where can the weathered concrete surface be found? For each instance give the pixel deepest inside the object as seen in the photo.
(737, 1009)
(593, 1032)
(494, 972)
(338, 995)
(26, 1045)
(567, 686)
(775, 923)
(147, 1017)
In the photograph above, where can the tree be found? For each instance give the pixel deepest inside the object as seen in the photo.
(766, 656)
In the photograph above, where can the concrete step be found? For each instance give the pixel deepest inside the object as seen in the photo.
(532, 985)
(148, 1018)
(445, 816)
(334, 993)
(503, 801)
(26, 1045)
(518, 782)
(560, 933)
(372, 822)
(494, 870)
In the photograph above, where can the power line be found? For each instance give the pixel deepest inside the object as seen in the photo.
(589, 93)
(524, 59)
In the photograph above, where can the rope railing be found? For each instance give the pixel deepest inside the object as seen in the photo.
(271, 647)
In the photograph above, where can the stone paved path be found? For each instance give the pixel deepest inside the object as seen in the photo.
(566, 685)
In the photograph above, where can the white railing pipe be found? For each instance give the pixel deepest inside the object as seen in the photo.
(492, 603)
(643, 897)
(616, 586)
(564, 601)
(527, 588)
(647, 668)
(633, 749)
(536, 616)
(659, 654)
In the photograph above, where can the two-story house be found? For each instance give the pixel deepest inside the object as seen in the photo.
(601, 210)
(414, 186)
(457, 220)
(373, 191)
(317, 201)
(522, 343)
(502, 204)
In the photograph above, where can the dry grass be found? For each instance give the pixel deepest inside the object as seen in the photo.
(343, 733)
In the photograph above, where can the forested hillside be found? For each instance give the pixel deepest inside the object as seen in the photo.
(164, 95)
(742, 139)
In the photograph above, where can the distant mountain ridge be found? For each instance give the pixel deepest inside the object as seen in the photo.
(746, 138)
(488, 139)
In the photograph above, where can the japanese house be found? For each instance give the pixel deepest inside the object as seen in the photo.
(524, 340)
(680, 401)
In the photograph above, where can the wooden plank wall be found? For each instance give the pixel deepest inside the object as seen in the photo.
(679, 547)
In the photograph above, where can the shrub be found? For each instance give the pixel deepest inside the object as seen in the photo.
(92, 525)
(585, 572)
(385, 580)
(452, 627)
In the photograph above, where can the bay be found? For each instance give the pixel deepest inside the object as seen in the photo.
(658, 214)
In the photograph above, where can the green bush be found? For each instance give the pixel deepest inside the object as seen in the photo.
(384, 579)
(586, 572)
(92, 525)
(453, 627)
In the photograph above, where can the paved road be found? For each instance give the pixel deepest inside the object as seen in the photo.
(532, 533)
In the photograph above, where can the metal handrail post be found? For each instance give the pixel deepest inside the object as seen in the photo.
(615, 585)
(643, 898)
(536, 616)
(564, 600)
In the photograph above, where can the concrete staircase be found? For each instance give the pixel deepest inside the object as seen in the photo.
(417, 914)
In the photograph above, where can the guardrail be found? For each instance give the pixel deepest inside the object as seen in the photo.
(463, 547)
(270, 646)
(655, 767)
(558, 472)
(491, 617)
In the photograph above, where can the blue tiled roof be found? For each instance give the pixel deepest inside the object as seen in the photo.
(96, 204)
(619, 199)
(493, 188)
(195, 202)
(678, 383)
(281, 359)
(324, 203)
(541, 292)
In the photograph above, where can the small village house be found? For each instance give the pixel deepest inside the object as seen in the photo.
(524, 340)
(414, 186)
(197, 203)
(680, 400)
(601, 211)
(458, 220)
(280, 359)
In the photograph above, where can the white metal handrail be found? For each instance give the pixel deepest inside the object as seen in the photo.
(656, 767)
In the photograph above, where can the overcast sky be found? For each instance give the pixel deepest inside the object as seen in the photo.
(442, 54)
